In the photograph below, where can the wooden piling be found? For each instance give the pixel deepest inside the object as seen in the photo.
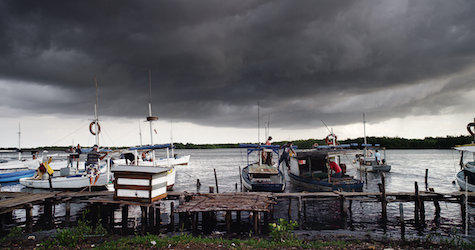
(300, 212)
(384, 201)
(240, 176)
(144, 219)
(416, 204)
(211, 189)
(427, 174)
(68, 212)
(158, 220)
(172, 217)
(29, 217)
(228, 221)
(216, 180)
(289, 211)
(125, 218)
(401, 219)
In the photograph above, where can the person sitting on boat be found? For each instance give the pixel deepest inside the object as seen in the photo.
(39, 172)
(44, 168)
(146, 156)
(377, 157)
(92, 164)
(335, 167)
(288, 150)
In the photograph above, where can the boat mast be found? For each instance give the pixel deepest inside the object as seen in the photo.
(364, 129)
(96, 107)
(19, 142)
(151, 118)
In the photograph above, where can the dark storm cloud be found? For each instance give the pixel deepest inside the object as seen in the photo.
(212, 61)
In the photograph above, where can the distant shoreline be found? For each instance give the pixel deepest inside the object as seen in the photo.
(447, 142)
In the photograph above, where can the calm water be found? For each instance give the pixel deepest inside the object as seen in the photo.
(408, 167)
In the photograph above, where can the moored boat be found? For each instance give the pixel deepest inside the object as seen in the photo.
(465, 178)
(15, 176)
(370, 161)
(310, 169)
(262, 175)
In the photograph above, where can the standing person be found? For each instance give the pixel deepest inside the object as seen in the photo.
(377, 157)
(335, 167)
(78, 149)
(92, 164)
(288, 150)
(268, 156)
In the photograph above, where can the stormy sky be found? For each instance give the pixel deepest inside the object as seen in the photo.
(408, 65)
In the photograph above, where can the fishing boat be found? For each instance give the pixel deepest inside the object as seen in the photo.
(310, 169)
(465, 178)
(71, 177)
(371, 160)
(368, 160)
(262, 175)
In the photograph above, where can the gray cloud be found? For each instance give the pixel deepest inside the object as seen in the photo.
(212, 61)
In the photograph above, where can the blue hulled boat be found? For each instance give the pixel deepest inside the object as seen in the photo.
(264, 174)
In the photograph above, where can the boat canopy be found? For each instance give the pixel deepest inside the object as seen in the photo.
(151, 147)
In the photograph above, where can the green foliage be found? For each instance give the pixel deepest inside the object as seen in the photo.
(282, 230)
(15, 232)
(71, 237)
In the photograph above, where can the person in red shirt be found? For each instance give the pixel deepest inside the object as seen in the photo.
(335, 167)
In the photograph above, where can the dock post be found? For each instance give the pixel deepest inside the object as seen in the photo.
(238, 220)
(68, 212)
(194, 219)
(266, 223)
(256, 222)
(151, 218)
(211, 189)
(172, 217)
(125, 217)
(240, 176)
(416, 204)
(48, 212)
(384, 201)
(216, 180)
(401, 219)
(289, 211)
(463, 208)
(300, 212)
(144, 219)
(158, 220)
(29, 217)
(228, 221)
(427, 174)
(112, 219)
(437, 211)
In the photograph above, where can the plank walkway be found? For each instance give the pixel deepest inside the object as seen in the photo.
(258, 202)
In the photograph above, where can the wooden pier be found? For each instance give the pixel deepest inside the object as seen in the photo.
(258, 208)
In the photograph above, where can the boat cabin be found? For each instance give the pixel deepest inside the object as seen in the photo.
(140, 183)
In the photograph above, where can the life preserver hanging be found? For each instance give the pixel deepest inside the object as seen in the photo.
(98, 128)
(331, 139)
(469, 128)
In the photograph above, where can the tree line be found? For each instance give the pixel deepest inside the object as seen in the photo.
(388, 142)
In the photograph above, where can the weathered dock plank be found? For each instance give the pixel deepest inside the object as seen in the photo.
(10, 204)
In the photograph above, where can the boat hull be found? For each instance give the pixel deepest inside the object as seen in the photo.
(345, 184)
(253, 185)
(376, 168)
(460, 178)
(15, 176)
(64, 182)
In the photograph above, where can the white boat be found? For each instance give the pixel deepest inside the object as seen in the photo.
(466, 176)
(73, 177)
(71, 181)
(368, 161)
